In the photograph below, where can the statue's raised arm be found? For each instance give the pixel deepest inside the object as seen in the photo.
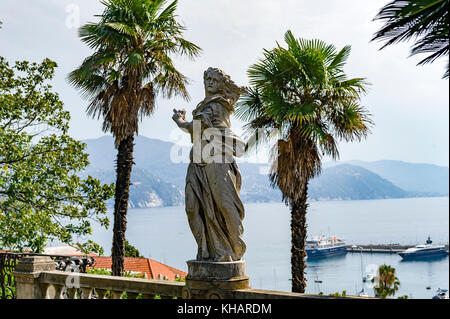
(179, 116)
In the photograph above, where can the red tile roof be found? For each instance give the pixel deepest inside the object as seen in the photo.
(151, 268)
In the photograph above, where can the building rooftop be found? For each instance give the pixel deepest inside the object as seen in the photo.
(150, 268)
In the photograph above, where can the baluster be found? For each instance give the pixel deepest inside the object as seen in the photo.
(86, 293)
(44, 290)
(116, 294)
(185, 293)
(58, 291)
(148, 296)
(101, 293)
(132, 295)
(71, 293)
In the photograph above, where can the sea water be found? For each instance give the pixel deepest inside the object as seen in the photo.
(164, 235)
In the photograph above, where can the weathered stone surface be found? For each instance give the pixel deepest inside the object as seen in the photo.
(206, 280)
(213, 181)
(119, 284)
(35, 264)
(234, 288)
(204, 270)
(26, 276)
(215, 280)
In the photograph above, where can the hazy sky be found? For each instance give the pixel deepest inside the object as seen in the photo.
(409, 103)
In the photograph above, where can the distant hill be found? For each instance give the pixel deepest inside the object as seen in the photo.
(146, 190)
(349, 182)
(340, 182)
(411, 176)
(256, 185)
(149, 154)
(157, 181)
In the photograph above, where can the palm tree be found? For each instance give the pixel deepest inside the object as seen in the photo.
(387, 283)
(133, 43)
(302, 96)
(425, 21)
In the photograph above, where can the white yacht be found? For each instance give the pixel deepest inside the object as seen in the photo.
(325, 246)
(428, 250)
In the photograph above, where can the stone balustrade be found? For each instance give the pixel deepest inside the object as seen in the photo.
(37, 278)
(99, 286)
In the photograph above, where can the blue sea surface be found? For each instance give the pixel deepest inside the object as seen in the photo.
(164, 235)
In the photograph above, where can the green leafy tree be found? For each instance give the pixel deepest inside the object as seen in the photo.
(339, 294)
(300, 96)
(131, 251)
(386, 282)
(424, 21)
(41, 196)
(134, 42)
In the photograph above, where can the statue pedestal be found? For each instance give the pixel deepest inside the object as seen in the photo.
(215, 280)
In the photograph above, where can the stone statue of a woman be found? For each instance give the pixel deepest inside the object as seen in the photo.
(213, 181)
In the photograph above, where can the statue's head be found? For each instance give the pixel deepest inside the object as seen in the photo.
(217, 82)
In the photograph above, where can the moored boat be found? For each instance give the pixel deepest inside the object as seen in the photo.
(363, 293)
(441, 294)
(425, 251)
(325, 246)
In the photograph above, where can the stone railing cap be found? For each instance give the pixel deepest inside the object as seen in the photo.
(35, 264)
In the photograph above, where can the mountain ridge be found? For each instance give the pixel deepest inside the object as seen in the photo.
(157, 181)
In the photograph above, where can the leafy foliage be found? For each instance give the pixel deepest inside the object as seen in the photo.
(131, 251)
(41, 196)
(107, 272)
(8, 287)
(387, 284)
(424, 21)
(133, 42)
(301, 95)
(338, 294)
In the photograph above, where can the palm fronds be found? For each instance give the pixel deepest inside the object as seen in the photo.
(303, 95)
(387, 283)
(424, 21)
(134, 42)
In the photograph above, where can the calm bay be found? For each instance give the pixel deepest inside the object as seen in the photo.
(164, 235)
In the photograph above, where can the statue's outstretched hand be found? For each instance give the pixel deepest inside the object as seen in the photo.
(179, 115)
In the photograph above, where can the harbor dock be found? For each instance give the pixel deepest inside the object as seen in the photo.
(381, 248)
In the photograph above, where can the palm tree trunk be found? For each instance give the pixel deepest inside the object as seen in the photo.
(123, 170)
(298, 236)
